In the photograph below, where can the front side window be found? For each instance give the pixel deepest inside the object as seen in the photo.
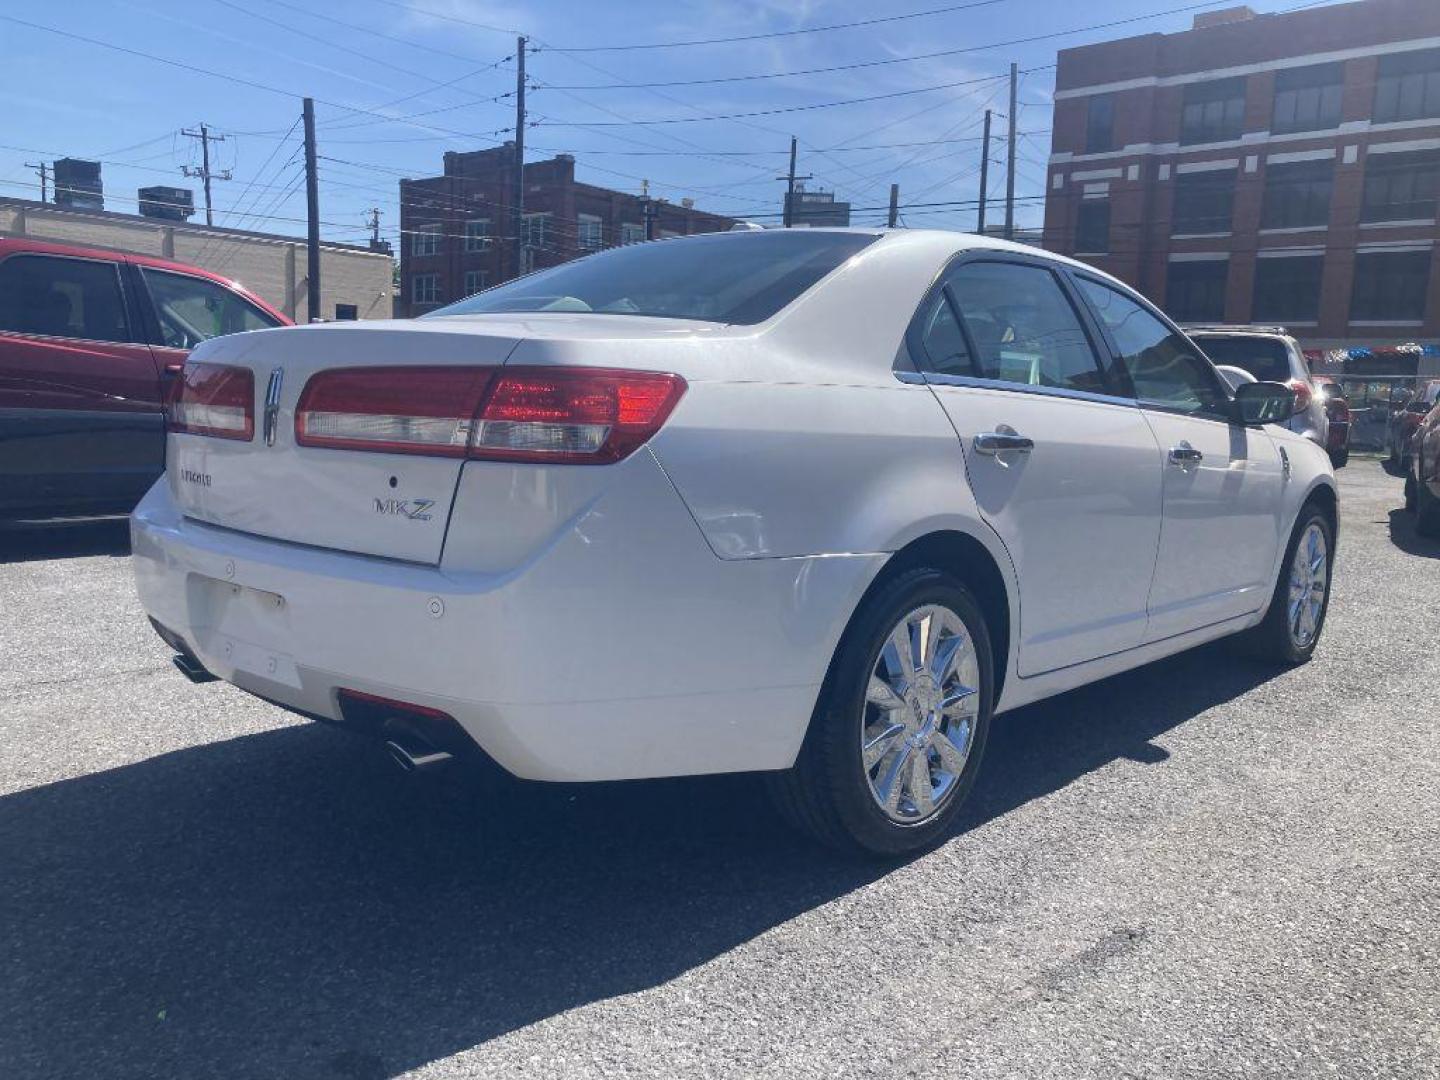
(738, 278)
(1195, 291)
(425, 240)
(1023, 328)
(1162, 365)
(1401, 187)
(58, 297)
(1092, 226)
(192, 310)
(1100, 124)
(1213, 111)
(1407, 86)
(1204, 202)
(1288, 289)
(1307, 99)
(1297, 194)
(1390, 286)
(425, 289)
(477, 234)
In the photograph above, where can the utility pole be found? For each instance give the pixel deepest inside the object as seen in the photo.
(373, 221)
(894, 205)
(312, 215)
(984, 175)
(789, 216)
(650, 215)
(519, 197)
(206, 137)
(44, 170)
(1010, 155)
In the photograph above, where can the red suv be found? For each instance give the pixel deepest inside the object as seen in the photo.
(89, 341)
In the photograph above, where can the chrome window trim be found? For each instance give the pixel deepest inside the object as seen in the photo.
(1018, 388)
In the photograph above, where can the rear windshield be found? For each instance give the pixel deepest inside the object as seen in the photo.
(739, 277)
(1265, 358)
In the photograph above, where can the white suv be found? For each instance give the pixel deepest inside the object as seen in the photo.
(819, 502)
(1269, 353)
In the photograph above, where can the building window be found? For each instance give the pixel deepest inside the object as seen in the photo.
(1203, 202)
(1307, 99)
(1100, 124)
(425, 288)
(425, 240)
(1287, 288)
(477, 234)
(1401, 187)
(1407, 86)
(1390, 286)
(347, 312)
(1297, 194)
(630, 233)
(591, 236)
(536, 233)
(1213, 111)
(474, 281)
(1092, 226)
(1195, 291)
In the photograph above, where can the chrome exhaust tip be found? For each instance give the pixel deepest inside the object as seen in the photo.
(415, 757)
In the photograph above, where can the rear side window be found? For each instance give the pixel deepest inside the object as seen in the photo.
(61, 297)
(1163, 366)
(1022, 328)
(738, 278)
(1265, 358)
(943, 341)
(192, 310)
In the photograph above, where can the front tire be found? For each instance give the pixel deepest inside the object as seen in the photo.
(1296, 616)
(899, 729)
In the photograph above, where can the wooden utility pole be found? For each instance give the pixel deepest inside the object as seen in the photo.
(788, 218)
(518, 198)
(984, 175)
(312, 215)
(894, 206)
(1010, 155)
(44, 171)
(206, 137)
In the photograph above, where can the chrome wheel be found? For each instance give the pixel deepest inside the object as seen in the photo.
(921, 708)
(1309, 577)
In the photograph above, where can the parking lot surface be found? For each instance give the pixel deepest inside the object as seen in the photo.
(1206, 867)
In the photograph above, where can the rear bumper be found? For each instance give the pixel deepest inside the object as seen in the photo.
(623, 649)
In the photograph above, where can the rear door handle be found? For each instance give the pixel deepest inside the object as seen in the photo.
(994, 442)
(1185, 454)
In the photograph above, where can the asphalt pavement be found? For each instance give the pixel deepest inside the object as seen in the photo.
(1204, 868)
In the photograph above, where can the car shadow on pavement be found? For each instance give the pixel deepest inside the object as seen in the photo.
(1404, 536)
(288, 904)
(29, 542)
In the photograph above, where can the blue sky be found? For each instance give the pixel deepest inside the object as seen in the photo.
(436, 66)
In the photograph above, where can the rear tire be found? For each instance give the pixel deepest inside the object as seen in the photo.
(922, 727)
(1295, 619)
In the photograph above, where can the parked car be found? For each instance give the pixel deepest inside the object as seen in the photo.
(1405, 419)
(1269, 353)
(1338, 419)
(1422, 479)
(818, 502)
(89, 341)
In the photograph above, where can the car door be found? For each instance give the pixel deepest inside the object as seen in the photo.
(79, 390)
(1223, 486)
(184, 309)
(1061, 467)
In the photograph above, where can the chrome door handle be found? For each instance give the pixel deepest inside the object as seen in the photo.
(1185, 454)
(994, 442)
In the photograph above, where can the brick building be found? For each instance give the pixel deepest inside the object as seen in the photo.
(1275, 168)
(455, 228)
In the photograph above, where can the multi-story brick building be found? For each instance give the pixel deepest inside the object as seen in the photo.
(456, 228)
(1276, 168)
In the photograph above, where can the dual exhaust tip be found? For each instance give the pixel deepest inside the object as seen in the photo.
(414, 756)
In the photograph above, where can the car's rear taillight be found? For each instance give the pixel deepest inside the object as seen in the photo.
(395, 410)
(560, 415)
(577, 416)
(1303, 393)
(214, 399)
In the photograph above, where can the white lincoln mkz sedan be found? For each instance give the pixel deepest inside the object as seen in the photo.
(815, 502)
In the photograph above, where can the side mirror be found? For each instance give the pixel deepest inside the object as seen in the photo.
(1264, 403)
